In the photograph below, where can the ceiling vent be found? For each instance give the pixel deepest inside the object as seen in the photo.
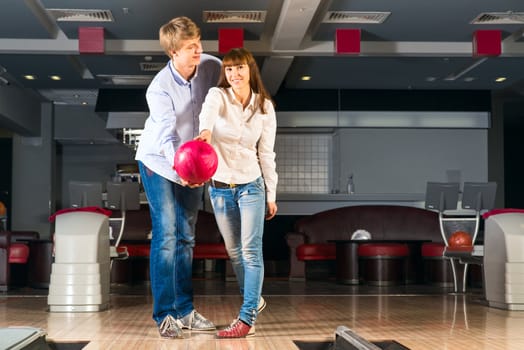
(125, 79)
(499, 18)
(355, 17)
(151, 66)
(79, 15)
(234, 16)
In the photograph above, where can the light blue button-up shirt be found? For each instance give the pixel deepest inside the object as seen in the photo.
(174, 106)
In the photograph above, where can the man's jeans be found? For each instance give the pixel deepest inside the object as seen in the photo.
(174, 211)
(240, 213)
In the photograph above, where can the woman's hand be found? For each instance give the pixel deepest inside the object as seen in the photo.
(205, 135)
(271, 210)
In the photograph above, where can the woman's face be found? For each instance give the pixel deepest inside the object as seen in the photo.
(237, 76)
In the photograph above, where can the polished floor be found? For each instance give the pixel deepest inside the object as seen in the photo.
(418, 317)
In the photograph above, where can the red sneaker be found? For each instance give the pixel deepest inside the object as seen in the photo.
(237, 329)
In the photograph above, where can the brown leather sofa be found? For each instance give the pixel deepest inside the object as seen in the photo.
(14, 249)
(309, 241)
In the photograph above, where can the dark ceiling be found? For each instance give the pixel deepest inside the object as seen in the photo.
(414, 44)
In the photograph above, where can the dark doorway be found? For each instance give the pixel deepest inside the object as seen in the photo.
(513, 147)
(6, 157)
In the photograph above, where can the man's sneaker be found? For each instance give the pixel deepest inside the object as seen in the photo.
(237, 329)
(196, 322)
(261, 305)
(169, 328)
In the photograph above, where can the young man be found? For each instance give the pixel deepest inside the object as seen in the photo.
(175, 98)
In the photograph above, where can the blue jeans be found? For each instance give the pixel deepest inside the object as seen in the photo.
(174, 210)
(240, 212)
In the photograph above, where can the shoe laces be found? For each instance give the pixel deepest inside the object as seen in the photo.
(195, 320)
(168, 327)
(233, 324)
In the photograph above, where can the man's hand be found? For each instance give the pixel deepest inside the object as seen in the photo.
(191, 185)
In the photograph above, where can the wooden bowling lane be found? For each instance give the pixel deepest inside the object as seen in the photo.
(417, 321)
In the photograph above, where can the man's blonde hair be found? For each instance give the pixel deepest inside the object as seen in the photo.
(176, 30)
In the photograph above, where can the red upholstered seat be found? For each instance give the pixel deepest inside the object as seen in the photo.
(319, 251)
(200, 251)
(210, 251)
(437, 269)
(432, 249)
(383, 263)
(383, 249)
(18, 253)
(135, 250)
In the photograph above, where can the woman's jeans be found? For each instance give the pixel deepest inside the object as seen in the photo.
(174, 210)
(240, 212)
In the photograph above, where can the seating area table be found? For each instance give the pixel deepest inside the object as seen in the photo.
(347, 257)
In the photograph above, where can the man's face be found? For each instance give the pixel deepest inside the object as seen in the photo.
(189, 52)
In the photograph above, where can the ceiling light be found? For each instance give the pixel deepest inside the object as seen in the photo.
(306, 78)
(431, 79)
(469, 79)
(29, 77)
(500, 79)
(55, 77)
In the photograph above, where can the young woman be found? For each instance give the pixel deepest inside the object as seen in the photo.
(238, 119)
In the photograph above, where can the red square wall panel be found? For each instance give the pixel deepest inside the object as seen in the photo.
(347, 41)
(487, 43)
(230, 38)
(91, 40)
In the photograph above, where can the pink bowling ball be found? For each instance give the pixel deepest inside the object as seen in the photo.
(196, 161)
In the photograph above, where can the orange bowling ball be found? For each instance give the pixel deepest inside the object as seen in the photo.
(460, 239)
(3, 211)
